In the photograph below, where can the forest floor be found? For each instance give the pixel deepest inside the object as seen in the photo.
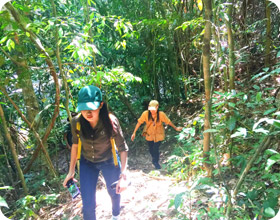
(147, 198)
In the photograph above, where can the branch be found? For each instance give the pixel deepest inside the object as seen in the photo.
(31, 128)
(12, 59)
(49, 62)
(13, 150)
(265, 143)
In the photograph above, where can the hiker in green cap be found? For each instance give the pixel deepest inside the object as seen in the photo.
(97, 136)
(154, 130)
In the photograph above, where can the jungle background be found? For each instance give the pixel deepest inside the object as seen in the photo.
(214, 67)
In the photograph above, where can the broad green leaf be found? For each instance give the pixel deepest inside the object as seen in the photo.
(75, 55)
(269, 212)
(264, 77)
(267, 120)
(3, 39)
(60, 32)
(178, 200)
(277, 70)
(259, 96)
(231, 123)
(261, 130)
(276, 124)
(240, 132)
(267, 112)
(270, 152)
(10, 44)
(3, 203)
(211, 131)
(252, 194)
(226, 17)
(278, 54)
(256, 87)
(171, 203)
(257, 76)
(6, 187)
(272, 160)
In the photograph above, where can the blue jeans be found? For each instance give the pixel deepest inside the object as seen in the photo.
(154, 150)
(89, 173)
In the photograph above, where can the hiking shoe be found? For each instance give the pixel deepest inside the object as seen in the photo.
(157, 166)
(116, 217)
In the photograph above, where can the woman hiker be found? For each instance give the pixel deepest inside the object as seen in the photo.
(97, 127)
(154, 130)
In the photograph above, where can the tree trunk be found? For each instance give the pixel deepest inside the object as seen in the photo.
(230, 47)
(244, 39)
(13, 150)
(207, 84)
(49, 62)
(25, 83)
(62, 73)
(9, 165)
(268, 34)
(154, 72)
(29, 97)
(35, 154)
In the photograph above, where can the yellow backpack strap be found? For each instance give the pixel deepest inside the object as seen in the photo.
(78, 128)
(114, 151)
(114, 146)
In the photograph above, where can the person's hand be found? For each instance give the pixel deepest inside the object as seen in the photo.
(133, 136)
(122, 184)
(68, 177)
(179, 128)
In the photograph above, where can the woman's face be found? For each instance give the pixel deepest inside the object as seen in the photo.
(154, 111)
(92, 115)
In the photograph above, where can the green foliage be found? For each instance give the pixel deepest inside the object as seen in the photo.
(3, 202)
(205, 185)
(29, 206)
(232, 118)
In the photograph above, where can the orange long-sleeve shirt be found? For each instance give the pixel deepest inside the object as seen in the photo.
(155, 131)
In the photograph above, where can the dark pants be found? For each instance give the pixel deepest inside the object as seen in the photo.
(154, 151)
(89, 173)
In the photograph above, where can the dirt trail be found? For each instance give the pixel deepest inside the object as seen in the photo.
(147, 198)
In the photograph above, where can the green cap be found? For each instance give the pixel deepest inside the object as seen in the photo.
(89, 98)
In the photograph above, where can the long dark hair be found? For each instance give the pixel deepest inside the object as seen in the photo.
(150, 116)
(104, 117)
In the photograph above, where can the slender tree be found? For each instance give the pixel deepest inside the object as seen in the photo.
(13, 149)
(207, 83)
(49, 62)
(231, 59)
(61, 70)
(268, 33)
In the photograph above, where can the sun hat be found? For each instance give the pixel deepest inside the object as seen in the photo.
(89, 98)
(153, 105)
